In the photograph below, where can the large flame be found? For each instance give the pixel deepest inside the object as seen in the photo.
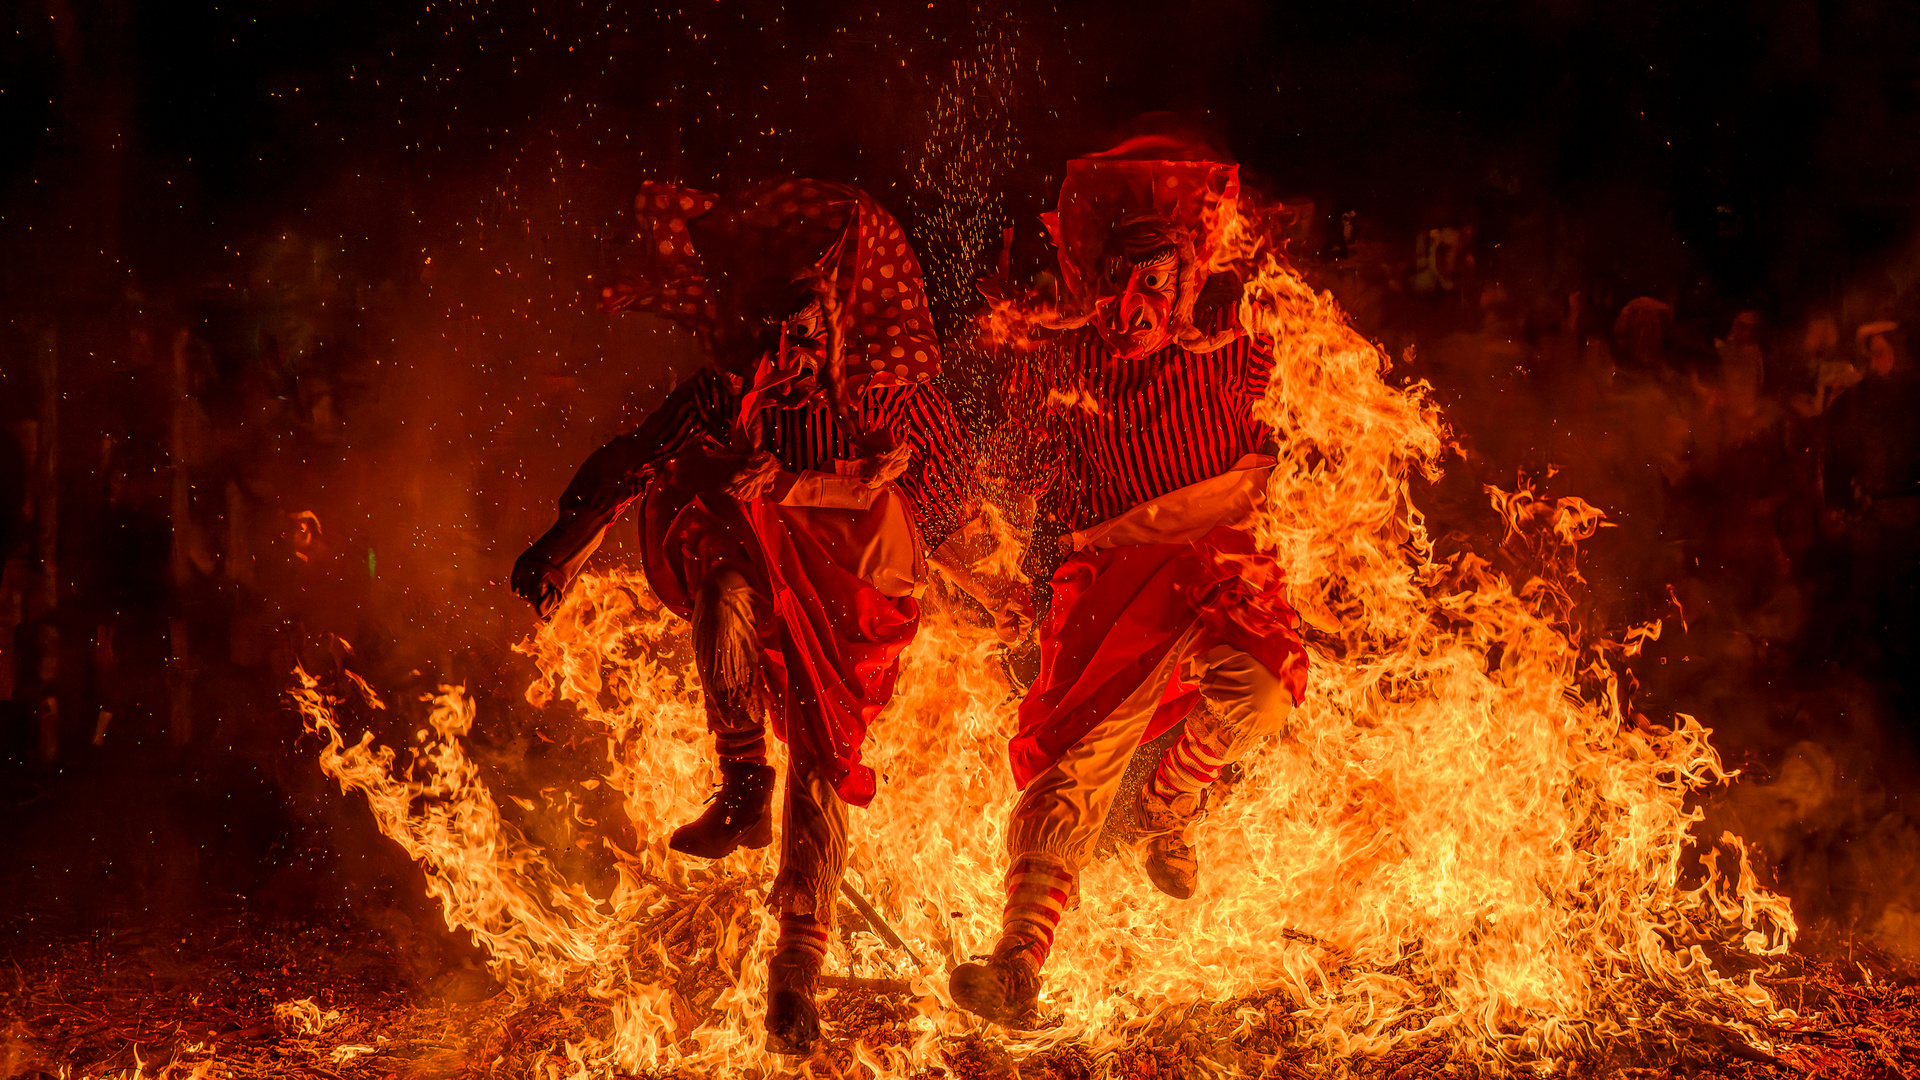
(1462, 837)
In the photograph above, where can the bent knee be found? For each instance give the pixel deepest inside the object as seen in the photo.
(1248, 700)
(1270, 704)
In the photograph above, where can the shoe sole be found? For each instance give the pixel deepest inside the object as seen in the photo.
(761, 836)
(1164, 878)
(962, 988)
(754, 840)
(1175, 889)
(777, 1044)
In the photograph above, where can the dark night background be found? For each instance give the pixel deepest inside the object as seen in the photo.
(339, 259)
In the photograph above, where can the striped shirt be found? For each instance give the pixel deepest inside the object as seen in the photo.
(1100, 434)
(937, 482)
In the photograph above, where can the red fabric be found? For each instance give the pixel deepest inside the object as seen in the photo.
(667, 277)
(831, 652)
(1116, 614)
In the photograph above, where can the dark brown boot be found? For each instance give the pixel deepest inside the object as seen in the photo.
(740, 814)
(1005, 989)
(793, 1020)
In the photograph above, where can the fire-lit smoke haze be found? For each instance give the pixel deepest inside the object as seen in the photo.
(317, 291)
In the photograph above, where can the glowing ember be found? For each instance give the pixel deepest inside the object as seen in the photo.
(1464, 838)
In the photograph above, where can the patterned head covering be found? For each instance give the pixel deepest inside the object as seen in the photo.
(726, 266)
(1165, 178)
(665, 277)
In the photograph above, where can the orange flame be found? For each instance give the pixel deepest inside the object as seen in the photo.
(1463, 838)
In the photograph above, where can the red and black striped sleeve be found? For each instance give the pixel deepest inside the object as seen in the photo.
(940, 481)
(618, 472)
(1258, 361)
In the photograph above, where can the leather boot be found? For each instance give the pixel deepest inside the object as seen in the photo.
(1172, 865)
(793, 1020)
(739, 815)
(1005, 989)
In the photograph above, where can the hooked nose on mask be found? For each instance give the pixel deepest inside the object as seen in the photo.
(801, 370)
(1130, 312)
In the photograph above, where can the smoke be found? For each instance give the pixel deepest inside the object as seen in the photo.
(436, 418)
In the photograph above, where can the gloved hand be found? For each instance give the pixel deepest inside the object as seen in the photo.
(538, 582)
(1013, 611)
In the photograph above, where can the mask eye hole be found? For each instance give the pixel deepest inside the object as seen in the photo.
(805, 328)
(1154, 269)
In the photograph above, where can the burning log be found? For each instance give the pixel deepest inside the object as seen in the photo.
(879, 924)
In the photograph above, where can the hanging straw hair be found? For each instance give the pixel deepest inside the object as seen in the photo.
(825, 285)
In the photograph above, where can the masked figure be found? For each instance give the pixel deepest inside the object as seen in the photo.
(1135, 425)
(789, 494)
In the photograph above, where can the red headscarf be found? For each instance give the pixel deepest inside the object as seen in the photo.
(717, 265)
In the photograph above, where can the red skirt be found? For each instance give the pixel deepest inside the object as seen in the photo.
(1116, 614)
(831, 653)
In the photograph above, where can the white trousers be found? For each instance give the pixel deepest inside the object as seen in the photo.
(1060, 815)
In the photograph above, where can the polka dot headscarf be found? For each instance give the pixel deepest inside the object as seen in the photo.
(711, 263)
(665, 276)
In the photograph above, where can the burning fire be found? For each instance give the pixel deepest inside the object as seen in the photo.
(1462, 837)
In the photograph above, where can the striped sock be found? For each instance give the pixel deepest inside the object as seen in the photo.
(1037, 891)
(802, 933)
(1188, 766)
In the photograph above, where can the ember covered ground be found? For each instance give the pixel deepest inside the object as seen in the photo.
(237, 996)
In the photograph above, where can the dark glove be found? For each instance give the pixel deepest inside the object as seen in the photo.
(538, 582)
(1014, 614)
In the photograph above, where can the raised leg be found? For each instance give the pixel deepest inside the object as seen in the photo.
(1056, 824)
(726, 651)
(1244, 703)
